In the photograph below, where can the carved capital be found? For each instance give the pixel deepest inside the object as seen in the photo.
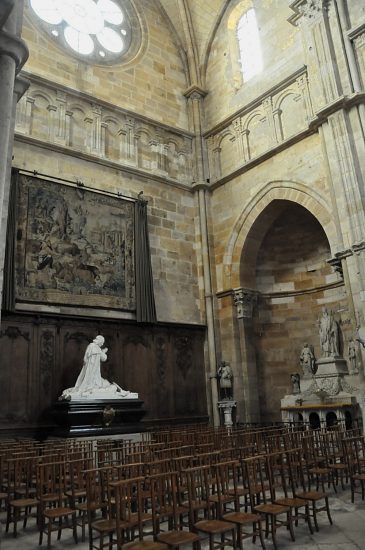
(311, 10)
(244, 299)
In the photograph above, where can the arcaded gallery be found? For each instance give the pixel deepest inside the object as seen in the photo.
(182, 274)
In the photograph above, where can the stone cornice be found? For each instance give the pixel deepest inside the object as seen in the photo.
(40, 81)
(13, 47)
(281, 294)
(356, 31)
(198, 186)
(143, 174)
(256, 102)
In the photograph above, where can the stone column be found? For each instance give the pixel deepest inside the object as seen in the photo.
(246, 388)
(327, 44)
(195, 97)
(13, 54)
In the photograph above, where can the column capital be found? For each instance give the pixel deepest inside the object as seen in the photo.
(13, 47)
(245, 300)
(309, 9)
(195, 92)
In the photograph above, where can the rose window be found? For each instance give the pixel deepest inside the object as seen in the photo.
(97, 30)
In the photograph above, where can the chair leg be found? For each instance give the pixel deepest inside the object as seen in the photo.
(273, 531)
(307, 513)
(328, 510)
(49, 533)
(74, 528)
(315, 515)
(290, 525)
(15, 520)
(261, 535)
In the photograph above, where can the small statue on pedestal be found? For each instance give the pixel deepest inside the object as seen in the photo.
(295, 380)
(307, 361)
(225, 375)
(90, 384)
(352, 351)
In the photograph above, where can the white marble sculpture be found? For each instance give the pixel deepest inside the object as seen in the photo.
(90, 385)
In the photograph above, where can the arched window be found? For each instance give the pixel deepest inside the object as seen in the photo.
(249, 45)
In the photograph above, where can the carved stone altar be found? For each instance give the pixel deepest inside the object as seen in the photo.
(331, 394)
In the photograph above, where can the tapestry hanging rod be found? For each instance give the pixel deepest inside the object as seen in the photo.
(78, 183)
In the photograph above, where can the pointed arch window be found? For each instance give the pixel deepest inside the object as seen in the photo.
(249, 45)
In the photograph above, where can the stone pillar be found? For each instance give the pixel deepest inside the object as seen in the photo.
(195, 97)
(246, 388)
(13, 54)
(328, 46)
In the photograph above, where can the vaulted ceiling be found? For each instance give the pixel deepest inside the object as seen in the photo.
(194, 23)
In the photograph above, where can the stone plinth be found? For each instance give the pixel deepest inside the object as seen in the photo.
(98, 417)
(227, 406)
(331, 366)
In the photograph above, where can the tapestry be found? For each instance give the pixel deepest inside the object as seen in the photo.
(74, 247)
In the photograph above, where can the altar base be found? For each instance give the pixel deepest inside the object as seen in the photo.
(98, 417)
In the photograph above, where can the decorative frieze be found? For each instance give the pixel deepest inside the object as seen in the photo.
(105, 131)
(284, 111)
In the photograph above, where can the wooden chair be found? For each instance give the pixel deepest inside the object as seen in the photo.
(21, 491)
(304, 491)
(166, 507)
(97, 501)
(199, 492)
(227, 487)
(126, 499)
(285, 463)
(354, 450)
(258, 475)
(51, 487)
(77, 491)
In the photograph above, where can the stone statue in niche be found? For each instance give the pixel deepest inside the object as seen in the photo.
(225, 376)
(295, 380)
(90, 384)
(352, 353)
(328, 334)
(307, 361)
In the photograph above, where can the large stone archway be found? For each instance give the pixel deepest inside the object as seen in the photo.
(274, 190)
(309, 230)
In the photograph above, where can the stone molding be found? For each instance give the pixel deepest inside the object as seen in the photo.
(13, 47)
(260, 127)
(111, 135)
(245, 300)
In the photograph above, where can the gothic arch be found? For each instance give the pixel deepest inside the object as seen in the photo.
(274, 190)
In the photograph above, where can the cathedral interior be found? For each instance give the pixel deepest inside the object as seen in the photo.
(185, 179)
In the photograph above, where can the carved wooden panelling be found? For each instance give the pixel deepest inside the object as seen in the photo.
(16, 386)
(43, 356)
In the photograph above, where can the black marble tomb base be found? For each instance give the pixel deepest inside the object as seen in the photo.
(98, 417)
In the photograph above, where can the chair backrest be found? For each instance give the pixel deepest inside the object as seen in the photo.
(165, 499)
(256, 474)
(21, 476)
(51, 482)
(126, 499)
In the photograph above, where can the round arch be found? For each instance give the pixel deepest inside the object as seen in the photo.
(274, 190)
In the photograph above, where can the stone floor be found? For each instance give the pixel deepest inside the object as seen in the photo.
(346, 533)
